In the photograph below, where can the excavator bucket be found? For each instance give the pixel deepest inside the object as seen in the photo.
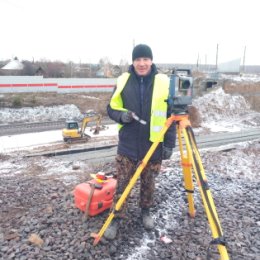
(96, 130)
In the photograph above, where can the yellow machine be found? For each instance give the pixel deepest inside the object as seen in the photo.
(72, 131)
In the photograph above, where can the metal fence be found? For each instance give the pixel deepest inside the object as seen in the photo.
(16, 84)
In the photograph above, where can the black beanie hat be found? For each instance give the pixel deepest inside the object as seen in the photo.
(142, 50)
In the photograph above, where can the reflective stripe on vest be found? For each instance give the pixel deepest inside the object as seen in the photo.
(159, 105)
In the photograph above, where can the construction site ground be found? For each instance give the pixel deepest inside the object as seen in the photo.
(39, 219)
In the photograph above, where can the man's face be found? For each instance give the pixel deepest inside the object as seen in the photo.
(142, 66)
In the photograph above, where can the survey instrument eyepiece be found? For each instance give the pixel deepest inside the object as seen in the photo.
(181, 89)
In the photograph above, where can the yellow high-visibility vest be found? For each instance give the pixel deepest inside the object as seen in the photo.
(159, 104)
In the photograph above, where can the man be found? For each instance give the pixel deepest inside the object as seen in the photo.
(141, 91)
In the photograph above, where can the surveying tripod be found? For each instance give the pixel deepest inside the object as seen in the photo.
(190, 158)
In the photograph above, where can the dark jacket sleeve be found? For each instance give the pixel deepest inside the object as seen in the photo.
(114, 114)
(170, 136)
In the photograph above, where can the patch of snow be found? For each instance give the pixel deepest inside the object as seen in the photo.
(241, 162)
(31, 140)
(111, 130)
(39, 114)
(14, 64)
(62, 170)
(91, 97)
(28, 141)
(8, 169)
(242, 77)
(140, 252)
(223, 112)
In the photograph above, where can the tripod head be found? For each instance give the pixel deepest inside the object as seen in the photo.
(181, 90)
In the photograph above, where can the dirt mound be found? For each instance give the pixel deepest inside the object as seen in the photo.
(84, 101)
(249, 90)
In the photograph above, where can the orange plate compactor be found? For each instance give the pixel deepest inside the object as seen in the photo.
(96, 195)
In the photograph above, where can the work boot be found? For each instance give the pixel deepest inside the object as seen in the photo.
(148, 221)
(111, 231)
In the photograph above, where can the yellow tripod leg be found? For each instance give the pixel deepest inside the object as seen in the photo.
(207, 199)
(187, 173)
(132, 181)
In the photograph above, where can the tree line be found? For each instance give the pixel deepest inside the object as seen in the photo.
(58, 69)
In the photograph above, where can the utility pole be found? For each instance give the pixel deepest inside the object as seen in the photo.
(244, 58)
(206, 63)
(198, 62)
(71, 69)
(217, 58)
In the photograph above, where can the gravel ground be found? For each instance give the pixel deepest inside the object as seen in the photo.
(39, 220)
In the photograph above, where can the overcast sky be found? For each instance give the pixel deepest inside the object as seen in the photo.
(86, 31)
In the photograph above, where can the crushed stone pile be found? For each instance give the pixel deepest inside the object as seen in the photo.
(39, 220)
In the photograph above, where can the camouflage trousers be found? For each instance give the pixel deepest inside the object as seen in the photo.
(125, 170)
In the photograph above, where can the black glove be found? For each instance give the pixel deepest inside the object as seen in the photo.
(167, 153)
(127, 117)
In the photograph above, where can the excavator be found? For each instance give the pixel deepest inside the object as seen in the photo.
(72, 132)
